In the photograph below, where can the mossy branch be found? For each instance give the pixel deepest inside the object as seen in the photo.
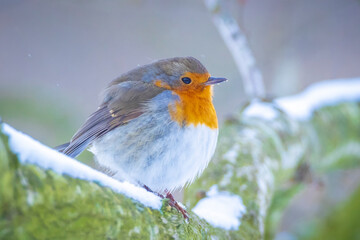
(267, 161)
(263, 161)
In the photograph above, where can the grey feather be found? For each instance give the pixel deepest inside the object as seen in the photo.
(122, 103)
(62, 147)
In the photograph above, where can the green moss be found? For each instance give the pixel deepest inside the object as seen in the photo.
(338, 137)
(281, 148)
(264, 168)
(38, 204)
(341, 223)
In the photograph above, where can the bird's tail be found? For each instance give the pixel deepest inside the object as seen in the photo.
(62, 147)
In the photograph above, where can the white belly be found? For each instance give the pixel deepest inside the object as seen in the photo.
(156, 152)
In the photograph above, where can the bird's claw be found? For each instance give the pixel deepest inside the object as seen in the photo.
(172, 202)
(175, 204)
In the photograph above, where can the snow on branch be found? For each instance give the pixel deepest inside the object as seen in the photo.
(302, 105)
(325, 93)
(30, 151)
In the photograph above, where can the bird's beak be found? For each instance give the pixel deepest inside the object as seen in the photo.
(214, 80)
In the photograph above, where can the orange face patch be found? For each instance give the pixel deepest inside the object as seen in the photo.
(195, 105)
(197, 79)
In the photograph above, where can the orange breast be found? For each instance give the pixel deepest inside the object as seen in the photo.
(194, 108)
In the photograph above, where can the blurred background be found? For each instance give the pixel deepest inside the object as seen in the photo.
(57, 56)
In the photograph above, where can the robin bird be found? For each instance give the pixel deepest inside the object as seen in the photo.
(156, 126)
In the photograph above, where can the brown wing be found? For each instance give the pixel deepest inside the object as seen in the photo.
(122, 103)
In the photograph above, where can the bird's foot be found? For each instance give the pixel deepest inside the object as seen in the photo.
(172, 201)
(175, 204)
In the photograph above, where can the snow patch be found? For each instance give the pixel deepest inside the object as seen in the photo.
(30, 151)
(261, 110)
(221, 209)
(291, 156)
(331, 92)
(265, 181)
(232, 154)
(227, 176)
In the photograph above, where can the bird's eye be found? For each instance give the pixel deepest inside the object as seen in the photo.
(186, 80)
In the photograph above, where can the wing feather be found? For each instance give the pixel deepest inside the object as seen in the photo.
(123, 103)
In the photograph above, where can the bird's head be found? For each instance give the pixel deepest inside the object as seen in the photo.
(182, 75)
(187, 78)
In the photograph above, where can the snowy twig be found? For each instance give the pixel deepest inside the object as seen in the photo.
(237, 44)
